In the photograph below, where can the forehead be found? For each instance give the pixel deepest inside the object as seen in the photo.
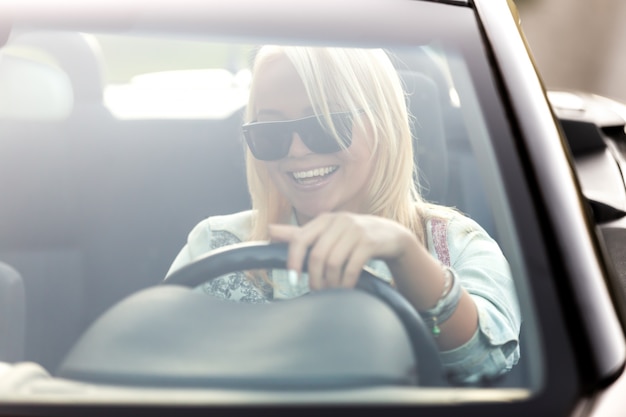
(278, 89)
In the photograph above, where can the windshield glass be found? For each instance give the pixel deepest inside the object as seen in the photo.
(129, 158)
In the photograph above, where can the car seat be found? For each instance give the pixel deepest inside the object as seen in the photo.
(37, 213)
(427, 127)
(12, 314)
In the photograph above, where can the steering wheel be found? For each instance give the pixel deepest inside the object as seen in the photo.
(263, 255)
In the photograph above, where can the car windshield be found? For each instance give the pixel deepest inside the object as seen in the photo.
(116, 148)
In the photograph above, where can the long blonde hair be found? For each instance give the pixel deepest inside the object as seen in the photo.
(361, 81)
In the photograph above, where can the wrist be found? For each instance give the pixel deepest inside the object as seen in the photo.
(447, 303)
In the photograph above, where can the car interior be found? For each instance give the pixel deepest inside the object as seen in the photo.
(95, 208)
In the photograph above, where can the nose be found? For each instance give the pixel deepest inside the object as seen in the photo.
(298, 148)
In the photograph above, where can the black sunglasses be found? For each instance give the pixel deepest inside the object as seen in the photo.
(269, 141)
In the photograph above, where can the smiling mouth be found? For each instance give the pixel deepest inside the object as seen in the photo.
(313, 175)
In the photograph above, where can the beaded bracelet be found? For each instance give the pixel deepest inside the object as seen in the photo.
(447, 303)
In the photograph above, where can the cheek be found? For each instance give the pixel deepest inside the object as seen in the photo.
(363, 135)
(362, 148)
(363, 159)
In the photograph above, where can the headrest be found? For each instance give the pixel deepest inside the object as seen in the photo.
(33, 91)
(429, 134)
(74, 53)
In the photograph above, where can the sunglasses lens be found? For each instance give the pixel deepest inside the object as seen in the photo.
(270, 141)
(319, 137)
(267, 141)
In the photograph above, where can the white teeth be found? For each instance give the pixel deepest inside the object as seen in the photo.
(317, 172)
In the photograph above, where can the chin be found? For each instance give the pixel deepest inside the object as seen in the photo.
(309, 212)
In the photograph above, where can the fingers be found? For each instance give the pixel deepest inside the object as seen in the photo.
(297, 250)
(353, 268)
(332, 252)
(300, 240)
(327, 257)
(307, 239)
(337, 250)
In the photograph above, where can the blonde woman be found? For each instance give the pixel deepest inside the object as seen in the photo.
(330, 170)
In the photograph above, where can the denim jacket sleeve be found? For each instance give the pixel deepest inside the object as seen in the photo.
(483, 271)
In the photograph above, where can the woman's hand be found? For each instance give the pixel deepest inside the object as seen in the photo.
(341, 244)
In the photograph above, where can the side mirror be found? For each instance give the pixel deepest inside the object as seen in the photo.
(588, 123)
(603, 212)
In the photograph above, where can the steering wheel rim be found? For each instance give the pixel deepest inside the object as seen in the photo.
(264, 255)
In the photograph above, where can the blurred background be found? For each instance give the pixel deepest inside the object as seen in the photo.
(578, 44)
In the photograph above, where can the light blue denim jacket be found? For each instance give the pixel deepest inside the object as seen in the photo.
(455, 240)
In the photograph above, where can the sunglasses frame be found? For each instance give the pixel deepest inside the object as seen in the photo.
(299, 126)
